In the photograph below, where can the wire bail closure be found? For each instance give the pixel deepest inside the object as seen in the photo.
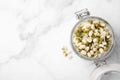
(82, 13)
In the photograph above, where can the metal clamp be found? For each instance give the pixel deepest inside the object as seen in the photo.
(83, 13)
(99, 63)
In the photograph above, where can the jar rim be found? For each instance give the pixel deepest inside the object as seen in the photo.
(110, 28)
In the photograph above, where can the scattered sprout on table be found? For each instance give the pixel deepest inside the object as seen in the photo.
(66, 52)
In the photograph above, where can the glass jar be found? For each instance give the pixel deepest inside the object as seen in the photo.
(100, 61)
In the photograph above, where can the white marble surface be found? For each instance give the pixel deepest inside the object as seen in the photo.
(32, 33)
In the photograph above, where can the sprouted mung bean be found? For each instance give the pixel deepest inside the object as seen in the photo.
(66, 52)
(92, 38)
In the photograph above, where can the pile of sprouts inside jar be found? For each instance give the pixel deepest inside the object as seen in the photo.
(92, 38)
